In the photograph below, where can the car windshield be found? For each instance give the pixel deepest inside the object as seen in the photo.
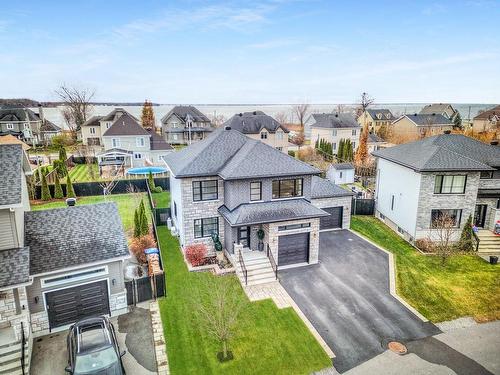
(98, 360)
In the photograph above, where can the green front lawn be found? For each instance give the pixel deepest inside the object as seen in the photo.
(126, 205)
(465, 286)
(268, 340)
(80, 173)
(161, 200)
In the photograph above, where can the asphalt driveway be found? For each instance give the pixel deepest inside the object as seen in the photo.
(346, 297)
(134, 334)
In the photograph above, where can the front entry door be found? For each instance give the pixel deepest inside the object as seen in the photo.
(480, 215)
(244, 236)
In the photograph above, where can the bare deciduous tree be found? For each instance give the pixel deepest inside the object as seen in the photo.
(341, 108)
(219, 305)
(298, 139)
(301, 111)
(217, 120)
(365, 101)
(443, 226)
(281, 117)
(76, 105)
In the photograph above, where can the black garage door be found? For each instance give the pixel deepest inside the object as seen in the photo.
(293, 248)
(66, 306)
(334, 220)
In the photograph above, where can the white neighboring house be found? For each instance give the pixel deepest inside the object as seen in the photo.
(448, 174)
(333, 127)
(127, 143)
(341, 173)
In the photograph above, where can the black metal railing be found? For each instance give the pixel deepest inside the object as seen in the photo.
(23, 354)
(273, 262)
(243, 268)
(476, 240)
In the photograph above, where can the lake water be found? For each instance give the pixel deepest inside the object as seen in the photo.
(54, 114)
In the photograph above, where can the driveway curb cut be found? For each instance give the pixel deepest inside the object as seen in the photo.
(160, 346)
(392, 277)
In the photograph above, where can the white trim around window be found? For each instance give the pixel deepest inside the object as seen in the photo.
(115, 142)
(140, 142)
(10, 126)
(71, 277)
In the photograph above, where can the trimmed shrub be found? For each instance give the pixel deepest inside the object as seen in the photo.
(58, 193)
(142, 220)
(292, 153)
(45, 189)
(196, 253)
(157, 189)
(139, 244)
(70, 192)
(62, 154)
(426, 245)
(137, 224)
(466, 242)
(151, 181)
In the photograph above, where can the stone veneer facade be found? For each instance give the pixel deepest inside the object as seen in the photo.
(12, 313)
(345, 202)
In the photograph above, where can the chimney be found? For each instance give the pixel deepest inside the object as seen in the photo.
(227, 128)
(254, 113)
(447, 132)
(40, 112)
(494, 143)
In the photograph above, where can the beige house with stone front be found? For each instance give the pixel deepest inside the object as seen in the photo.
(264, 205)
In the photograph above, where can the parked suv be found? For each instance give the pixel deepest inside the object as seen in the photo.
(93, 348)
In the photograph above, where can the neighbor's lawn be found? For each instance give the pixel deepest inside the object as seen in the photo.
(80, 173)
(126, 205)
(465, 286)
(268, 340)
(161, 200)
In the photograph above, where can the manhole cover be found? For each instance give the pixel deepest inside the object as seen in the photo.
(397, 347)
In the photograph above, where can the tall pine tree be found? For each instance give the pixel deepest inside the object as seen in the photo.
(45, 189)
(58, 193)
(70, 192)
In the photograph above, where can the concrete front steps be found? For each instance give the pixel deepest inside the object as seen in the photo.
(489, 244)
(259, 269)
(10, 359)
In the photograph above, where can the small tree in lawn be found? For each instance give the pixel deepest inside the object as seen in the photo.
(137, 224)
(70, 192)
(466, 240)
(219, 305)
(362, 151)
(444, 227)
(151, 181)
(45, 189)
(58, 193)
(143, 219)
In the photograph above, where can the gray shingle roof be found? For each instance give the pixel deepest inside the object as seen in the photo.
(429, 120)
(342, 166)
(269, 212)
(386, 114)
(14, 264)
(116, 113)
(321, 188)
(253, 123)
(18, 114)
(125, 125)
(182, 111)
(437, 108)
(93, 121)
(373, 138)
(488, 114)
(232, 155)
(158, 143)
(334, 120)
(11, 164)
(445, 152)
(72, 236)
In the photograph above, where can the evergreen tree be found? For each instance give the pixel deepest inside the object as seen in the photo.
(70, 192)
(45, 190)
(362, 152)
(151, 181)
(62, 154)
(316, 144)
(143, 219)
(457, 121)
(466, 238)
(340, 151)
(58, 193)
(147, 115)
(137, 224)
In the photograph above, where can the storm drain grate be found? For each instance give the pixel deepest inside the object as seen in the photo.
(397, 347)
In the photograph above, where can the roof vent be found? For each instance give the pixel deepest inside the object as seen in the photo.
(240, 114)
(494, 143)
(434, 114)
(336, 115)
(254, 113)
(227, 128)
(447, 132)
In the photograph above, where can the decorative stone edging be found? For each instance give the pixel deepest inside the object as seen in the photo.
(392, 277)
(160, 346)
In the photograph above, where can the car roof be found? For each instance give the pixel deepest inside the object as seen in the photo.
(92, 334)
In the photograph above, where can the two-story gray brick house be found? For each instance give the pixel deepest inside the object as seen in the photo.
(233, 185)
(449, 174)
(185, 124)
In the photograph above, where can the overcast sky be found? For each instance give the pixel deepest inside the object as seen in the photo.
(269, 51)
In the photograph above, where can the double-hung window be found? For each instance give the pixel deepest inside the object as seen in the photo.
(287, 188)
(139, 142)
(115, 142)
(450, 184)
(92, 130)
(353, 131)
(279, 135)
(256, 191)
(334, 132)
(205, 190)
(263, 135)
(440, 218)
(206, 227)
(10, 126)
